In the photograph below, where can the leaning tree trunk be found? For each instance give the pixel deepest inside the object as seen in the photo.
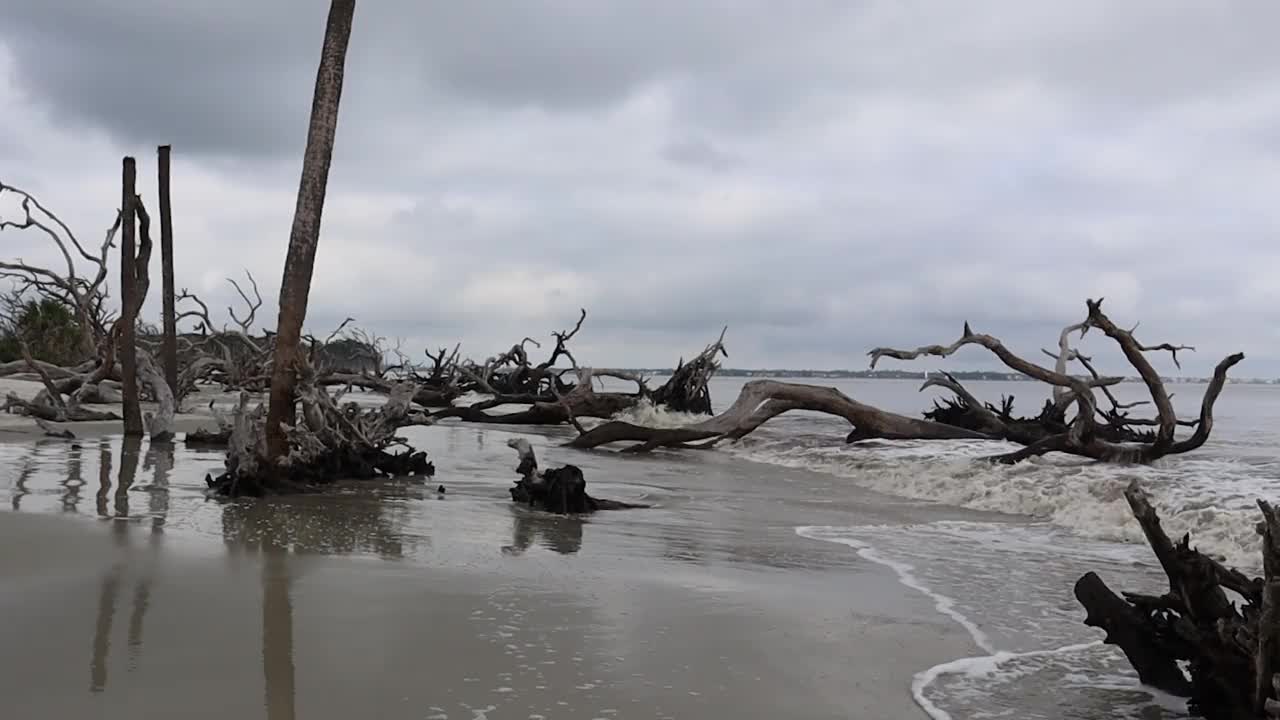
(296, 285)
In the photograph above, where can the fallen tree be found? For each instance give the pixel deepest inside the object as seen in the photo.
(326, 442)
(558, 395)
(1232, 652)
(1116, 438)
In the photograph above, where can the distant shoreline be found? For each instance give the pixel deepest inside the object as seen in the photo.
(961, 375)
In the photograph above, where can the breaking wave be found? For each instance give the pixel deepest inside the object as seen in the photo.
(1210, 497)
(645, 413)
(1002, 585)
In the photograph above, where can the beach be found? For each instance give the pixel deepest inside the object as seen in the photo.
(766, 580)
(708, 605)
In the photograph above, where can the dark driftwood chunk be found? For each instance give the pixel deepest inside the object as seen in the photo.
(1230, 649)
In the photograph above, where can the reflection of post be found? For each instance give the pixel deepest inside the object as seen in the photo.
(75, 480)
(141, 600)
(277, 635)
(559, 534)
(102, 630)
(161, 455)
(20, 485)
(130, 451)
(104, 476)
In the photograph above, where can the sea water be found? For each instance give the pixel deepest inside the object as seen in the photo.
(1006, 582)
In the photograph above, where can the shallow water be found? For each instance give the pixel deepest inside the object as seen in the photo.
(791, 508)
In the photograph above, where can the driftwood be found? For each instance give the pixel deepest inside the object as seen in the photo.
(762, 400)
(326, 442)
(204, 437)
(1082, 436)
(561, 490)
(687, 389)
(1232, 651)
(1110, 436)
(556, 396)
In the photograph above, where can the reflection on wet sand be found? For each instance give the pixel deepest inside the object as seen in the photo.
(314, 524)
(277, 637)
(554, 532)
(102, 630)
(24, 476)
(74, 480)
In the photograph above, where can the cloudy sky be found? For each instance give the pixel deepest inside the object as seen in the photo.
(822, 176)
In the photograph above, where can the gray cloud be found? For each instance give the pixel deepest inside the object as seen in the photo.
(822, 179)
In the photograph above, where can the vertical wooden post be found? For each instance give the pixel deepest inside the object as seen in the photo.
(128, 293)
(169, 343)
(300, 262)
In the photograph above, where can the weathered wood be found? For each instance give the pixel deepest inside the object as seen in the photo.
(327, 443)
(169, 341)
(561, 490)
(128, 299)
(1083, 435)
(686, 390)
(1134, 634)
(1230, 650)
(161, 422)
(305, 233)
(761, 400)
(1267, 656)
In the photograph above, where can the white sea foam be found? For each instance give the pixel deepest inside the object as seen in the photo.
(1010, 680)
(1211, 498)
(646, 414)
(944, 604)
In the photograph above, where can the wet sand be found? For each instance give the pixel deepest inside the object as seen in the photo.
(390, 601)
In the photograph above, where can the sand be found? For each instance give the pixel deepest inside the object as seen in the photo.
(391, 601)
(21, 428)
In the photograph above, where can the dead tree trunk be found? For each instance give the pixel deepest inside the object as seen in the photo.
(169, 341)
(1120, 440)
(300, 262)
(329, 443)
(128, 299)
(161, 423)
(762, 400)
(1230, 650)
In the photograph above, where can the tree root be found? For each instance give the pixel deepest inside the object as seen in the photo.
(1232, 652)
(328, 442)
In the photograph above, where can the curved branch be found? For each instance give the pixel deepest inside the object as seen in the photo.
(253, 304)
(1205, 425)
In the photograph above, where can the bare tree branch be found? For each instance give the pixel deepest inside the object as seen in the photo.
(247, 323)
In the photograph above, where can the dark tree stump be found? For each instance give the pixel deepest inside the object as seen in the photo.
(561, 490)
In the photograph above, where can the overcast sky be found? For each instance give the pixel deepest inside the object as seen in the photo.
(822, 176)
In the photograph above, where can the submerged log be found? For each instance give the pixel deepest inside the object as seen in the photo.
(561, 490)
(1230, 649)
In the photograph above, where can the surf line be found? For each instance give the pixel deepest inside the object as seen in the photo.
(947, 606)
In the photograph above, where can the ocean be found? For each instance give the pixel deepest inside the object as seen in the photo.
(1009, 583)
(991, 551)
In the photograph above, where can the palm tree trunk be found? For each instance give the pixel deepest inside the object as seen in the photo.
(298, 266)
